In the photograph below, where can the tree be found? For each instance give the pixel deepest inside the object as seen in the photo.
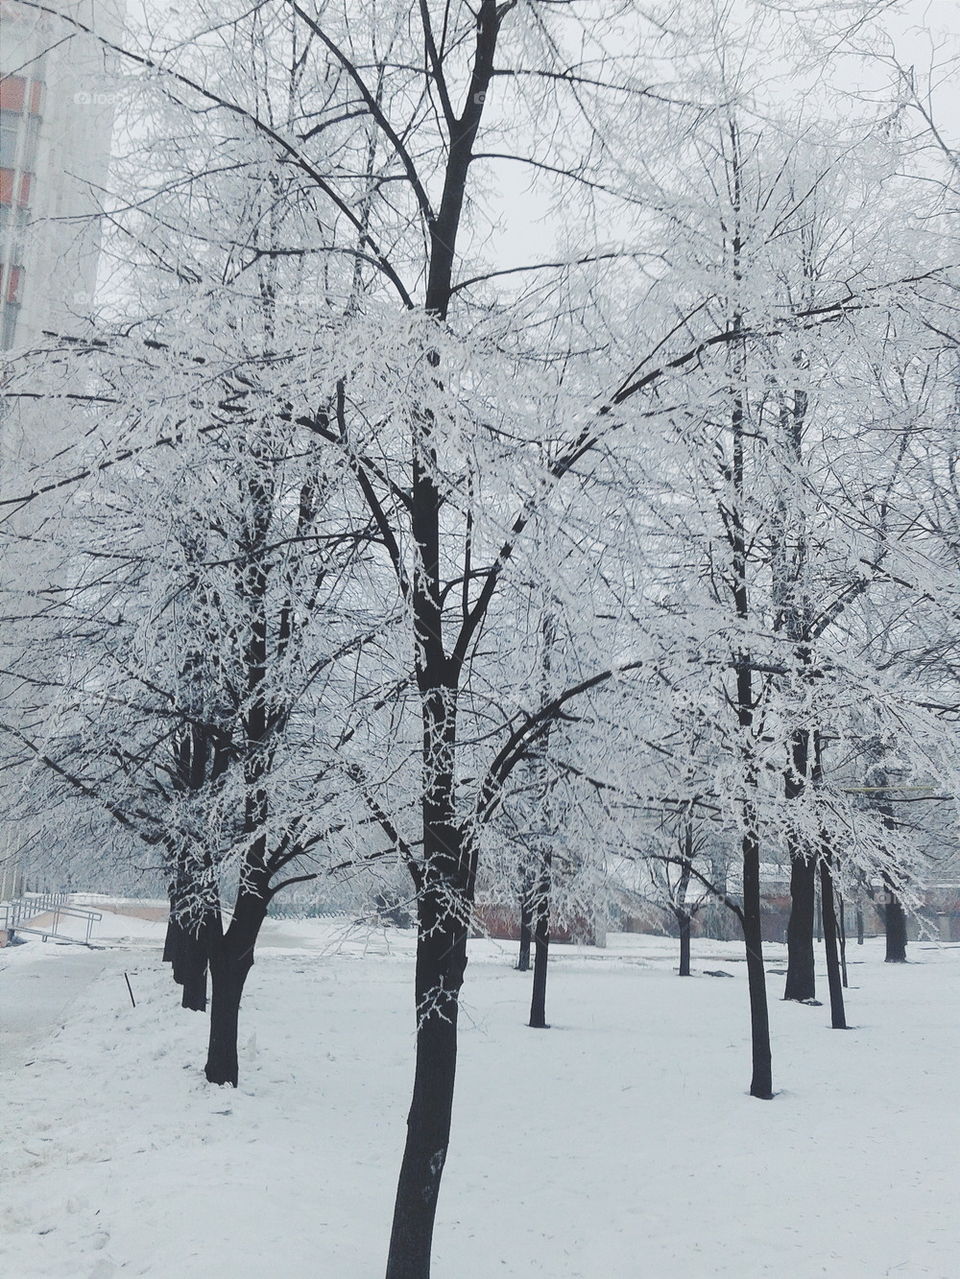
(181, 687)
(772, 446)
(684, 906)
(463, 416)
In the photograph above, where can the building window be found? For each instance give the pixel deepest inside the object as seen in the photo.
(12, 278)
(13, 227)
(9, 312)
(16, 185)
(13, 128)
(15, 90)
(9, 135)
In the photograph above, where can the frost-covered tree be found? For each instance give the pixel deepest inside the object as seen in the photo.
(386, 435)
(196, 623)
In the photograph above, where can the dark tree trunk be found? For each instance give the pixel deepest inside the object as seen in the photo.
(841, 920)
(683, 920)
(818, 917)
(193, 971)
(231, 958)
(538, 1000)
(231, 951)
(680, 901)
(228, 974)
(837, 1016)
(446, 871)
(441, 961)
(173, 950)
(444, 884)
(194, 911)
(526, 929)
(895, 926)
(171, 939)
(859, 924)
(801, 979)
(187, 955)
(761, 1082)
(801, 976)
(894, 920)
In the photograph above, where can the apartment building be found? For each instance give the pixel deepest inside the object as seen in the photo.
(56, 117)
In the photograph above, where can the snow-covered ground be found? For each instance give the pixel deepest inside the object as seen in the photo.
(619, 1144)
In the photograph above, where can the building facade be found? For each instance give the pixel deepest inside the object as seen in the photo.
(56, 117)
(57, 99)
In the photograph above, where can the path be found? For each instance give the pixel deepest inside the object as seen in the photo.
(39, 983)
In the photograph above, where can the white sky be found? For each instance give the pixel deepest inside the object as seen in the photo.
(924, 34)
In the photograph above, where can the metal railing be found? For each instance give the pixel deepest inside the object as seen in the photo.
(24, 915)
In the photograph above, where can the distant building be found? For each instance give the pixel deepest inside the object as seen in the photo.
(56, 118)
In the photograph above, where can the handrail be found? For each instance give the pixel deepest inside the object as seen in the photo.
(18, 914)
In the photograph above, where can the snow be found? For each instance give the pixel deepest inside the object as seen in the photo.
(620, 1142)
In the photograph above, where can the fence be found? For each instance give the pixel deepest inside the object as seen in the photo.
(42, 914)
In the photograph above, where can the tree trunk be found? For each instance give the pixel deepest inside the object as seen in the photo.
(538, 1000)
(680, 901)
(171, 938)
(187, 956)
(441, 961)
(683, 919)
(193, 970)
(801, 978)
(526, 928)
(761, 1083)
(841, 920)
(894, 919)
(231, 958)
(837, 1016)
(541, 937)
(859, 924)
(801, 975)
(895, 926)
(228, 973)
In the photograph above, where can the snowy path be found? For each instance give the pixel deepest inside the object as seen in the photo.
(620, 1145)
(37, 992)
(40, 982)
